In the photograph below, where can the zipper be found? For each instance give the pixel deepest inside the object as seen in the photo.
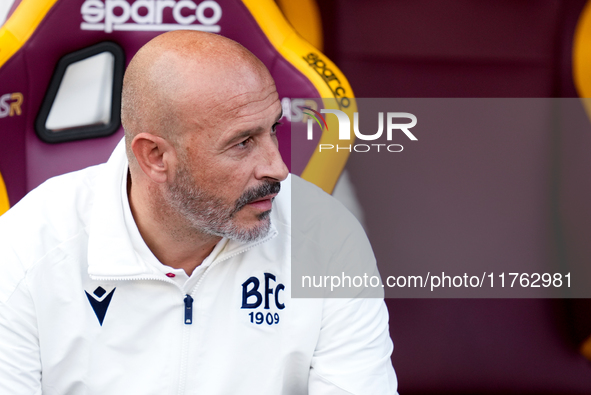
(188, 302)
(188, 310)
(184, 358)
(139, 278)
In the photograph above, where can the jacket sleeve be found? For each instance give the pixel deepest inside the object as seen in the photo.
(352, 355)
(353, 349)
(20, 362)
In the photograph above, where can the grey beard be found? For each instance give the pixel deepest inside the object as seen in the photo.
(208, 215)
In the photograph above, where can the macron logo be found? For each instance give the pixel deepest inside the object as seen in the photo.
(99, 301)
(148, 15)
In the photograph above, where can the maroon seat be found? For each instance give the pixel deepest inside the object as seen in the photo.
(457, 48)
(73, 30)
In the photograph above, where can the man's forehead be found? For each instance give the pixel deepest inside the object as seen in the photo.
(246, 114)
(247, 103)
(233, 101)
(254, 114)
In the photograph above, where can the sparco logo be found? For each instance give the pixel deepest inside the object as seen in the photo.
(345, 130)
(148, 15)
(330, 79)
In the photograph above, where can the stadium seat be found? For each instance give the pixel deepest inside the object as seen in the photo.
(61, 67)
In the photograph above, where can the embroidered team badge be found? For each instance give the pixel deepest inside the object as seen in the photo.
(99, 301)
(264, 300)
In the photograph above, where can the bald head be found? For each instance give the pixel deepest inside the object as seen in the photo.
(182, 75)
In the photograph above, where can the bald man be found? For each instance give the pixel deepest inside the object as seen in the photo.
(168, 268)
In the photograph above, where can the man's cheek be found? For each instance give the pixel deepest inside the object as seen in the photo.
(228, 172)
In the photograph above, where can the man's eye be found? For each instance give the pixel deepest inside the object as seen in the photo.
(245, 143)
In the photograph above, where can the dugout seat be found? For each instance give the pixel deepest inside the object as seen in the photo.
(575, 172)
(463, 49)
(45, 44)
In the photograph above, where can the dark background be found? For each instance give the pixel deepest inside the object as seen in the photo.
(460, 49)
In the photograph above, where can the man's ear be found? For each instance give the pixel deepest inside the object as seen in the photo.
(156, 156)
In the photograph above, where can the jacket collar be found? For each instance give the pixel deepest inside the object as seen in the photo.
(110, 250)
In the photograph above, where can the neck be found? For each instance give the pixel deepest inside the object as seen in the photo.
(167, 234)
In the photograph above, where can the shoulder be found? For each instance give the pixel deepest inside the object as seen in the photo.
(315, 212)
(52, 213)
(327, 240)
(59, 201)
(312, 208)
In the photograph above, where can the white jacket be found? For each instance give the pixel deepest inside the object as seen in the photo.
(84, 310)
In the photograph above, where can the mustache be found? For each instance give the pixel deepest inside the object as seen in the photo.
(265, 189)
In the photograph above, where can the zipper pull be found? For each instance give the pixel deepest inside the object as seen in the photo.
(188, 310)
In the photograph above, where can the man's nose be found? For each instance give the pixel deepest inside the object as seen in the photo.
(271, 164)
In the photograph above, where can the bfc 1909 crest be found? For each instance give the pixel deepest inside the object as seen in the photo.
(269, 298)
